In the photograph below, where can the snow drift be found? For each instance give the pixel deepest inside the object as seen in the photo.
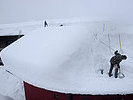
(67, 59)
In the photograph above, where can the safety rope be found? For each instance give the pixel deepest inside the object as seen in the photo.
(110, 48)
(121, 51)
(109, 44)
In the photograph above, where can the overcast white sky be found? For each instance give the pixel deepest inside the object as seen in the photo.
(12, 11)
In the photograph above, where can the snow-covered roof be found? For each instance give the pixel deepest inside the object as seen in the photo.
(26, 27)
(18, 28)
(5, 97)
(67, 59)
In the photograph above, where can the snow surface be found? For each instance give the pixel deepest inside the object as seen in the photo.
(5, 97)
(26, 27)
(19, 28)
(67, 59)
(11, 88)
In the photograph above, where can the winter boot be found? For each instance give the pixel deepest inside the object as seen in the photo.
(110, 74)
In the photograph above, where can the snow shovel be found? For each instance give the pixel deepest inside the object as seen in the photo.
(120, 74)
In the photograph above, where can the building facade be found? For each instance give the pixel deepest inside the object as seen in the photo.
(35, 93)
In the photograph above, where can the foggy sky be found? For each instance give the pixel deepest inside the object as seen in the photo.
(12, 11)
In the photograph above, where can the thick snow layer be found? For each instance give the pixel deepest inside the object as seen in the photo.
(11, 88)
(5, 97)
(67, 59)
(26, 27)
(19, 28)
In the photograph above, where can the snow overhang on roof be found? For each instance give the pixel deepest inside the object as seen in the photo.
(67, 59)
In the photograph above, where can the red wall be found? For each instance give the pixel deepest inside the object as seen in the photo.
(34, 93)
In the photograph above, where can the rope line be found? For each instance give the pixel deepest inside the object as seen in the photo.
(95, 35)
(110, 48)
(109, 44)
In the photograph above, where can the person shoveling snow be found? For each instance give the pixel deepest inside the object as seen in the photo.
(115, 61)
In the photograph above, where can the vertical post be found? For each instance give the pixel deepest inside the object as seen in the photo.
(19, 35)
(120, 41)
(103, 27)
(120, 44)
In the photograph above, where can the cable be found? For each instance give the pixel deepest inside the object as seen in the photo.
(109, 44)
(110, 48)
(95, 35)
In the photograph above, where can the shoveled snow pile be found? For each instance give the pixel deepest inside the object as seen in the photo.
(67, 59)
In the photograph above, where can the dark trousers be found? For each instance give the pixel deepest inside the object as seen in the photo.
(111, 68)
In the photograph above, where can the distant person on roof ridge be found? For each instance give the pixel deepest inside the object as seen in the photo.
(45, 23)
(115, 61)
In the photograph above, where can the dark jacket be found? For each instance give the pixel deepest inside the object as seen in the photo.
(116, 59)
